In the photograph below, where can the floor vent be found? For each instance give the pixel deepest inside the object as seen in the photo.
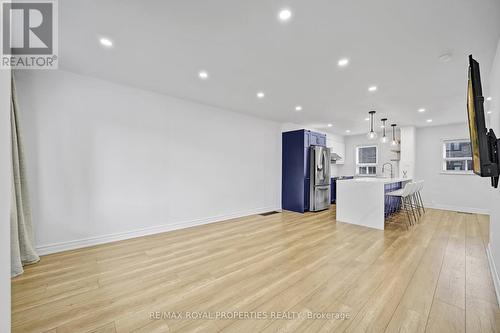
(269, 213)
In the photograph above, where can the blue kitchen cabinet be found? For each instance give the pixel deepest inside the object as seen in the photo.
(317, 139)
(333, 187)
(295, 168)
(391, 203)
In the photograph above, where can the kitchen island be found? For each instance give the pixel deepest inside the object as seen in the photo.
(362, 200)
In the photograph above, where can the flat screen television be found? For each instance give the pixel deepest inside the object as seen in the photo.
(483, 142)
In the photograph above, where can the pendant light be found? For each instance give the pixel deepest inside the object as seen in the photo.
(384, 138)
(371, 135)
(394, 141)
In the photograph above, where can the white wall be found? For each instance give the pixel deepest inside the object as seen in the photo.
(385, 154)
(495, 193)
(106, 159)
(408, 152)
(468, 193)
(5, 184)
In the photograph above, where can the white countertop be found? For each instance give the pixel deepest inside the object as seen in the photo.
(378, 180)
(361, 200)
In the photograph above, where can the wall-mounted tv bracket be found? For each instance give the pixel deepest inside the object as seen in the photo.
(493, 145)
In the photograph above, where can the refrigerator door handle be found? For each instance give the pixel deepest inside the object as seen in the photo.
(320, 160)
(323, 162)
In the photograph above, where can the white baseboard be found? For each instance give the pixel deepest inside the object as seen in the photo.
(458, 208)
(494, 272)
(96, 240)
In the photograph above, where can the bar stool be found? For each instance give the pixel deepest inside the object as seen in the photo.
(416, 198)
(405, 196)
(419, 196)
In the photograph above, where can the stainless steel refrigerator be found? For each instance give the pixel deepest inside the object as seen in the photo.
(319, 194)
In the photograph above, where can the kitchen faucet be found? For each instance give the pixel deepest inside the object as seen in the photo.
(383, 168)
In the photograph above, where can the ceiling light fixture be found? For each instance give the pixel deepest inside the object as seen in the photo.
(421, 110)
(285, 14)
(298, 108)
(429, 120)
(488, 98)
(372, 88)
(489, 112)
(371, 135)
(384, 138)
(394, 142)
(260, 94)
(203, 75)
(106, 42)
(330, 125)
(348, 131)
(444, 58)
(367, 118)
(343, 62)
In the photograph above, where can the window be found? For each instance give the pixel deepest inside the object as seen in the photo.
(366, 160)
(457, 156)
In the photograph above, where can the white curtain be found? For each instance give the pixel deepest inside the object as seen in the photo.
(21, 234)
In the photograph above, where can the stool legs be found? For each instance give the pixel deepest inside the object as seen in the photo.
(416, 204)
(421, 201)
(410, 200)
(406, 208)
(414, 211)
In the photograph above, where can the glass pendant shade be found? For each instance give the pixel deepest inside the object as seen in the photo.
(371, 135)
(384, 138)
(394, 142)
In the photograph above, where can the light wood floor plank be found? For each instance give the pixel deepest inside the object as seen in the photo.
(481, 306)
(414, 307)
(434, 277)
(445, 317)
(451, 284)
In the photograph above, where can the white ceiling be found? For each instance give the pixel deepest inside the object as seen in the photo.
(394, 44)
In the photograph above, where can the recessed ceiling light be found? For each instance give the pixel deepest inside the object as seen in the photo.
(348, 131)
(260, 94)
(343, 62)
(203, 75)
(367, 119)
(421, 110)
(488, 98)
(330, 125)
(298, 108)
(106, 42)
(489, 112)
(372, 88)
(285, 14)
(445, 57)
(429, 120)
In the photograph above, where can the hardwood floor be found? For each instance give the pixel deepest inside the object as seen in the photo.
(433, 278)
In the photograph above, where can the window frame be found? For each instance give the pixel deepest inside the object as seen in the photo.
(361, 165)
(446, 159)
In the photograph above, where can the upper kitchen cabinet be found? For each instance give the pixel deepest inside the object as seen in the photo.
(337, 148)
(317, 139)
